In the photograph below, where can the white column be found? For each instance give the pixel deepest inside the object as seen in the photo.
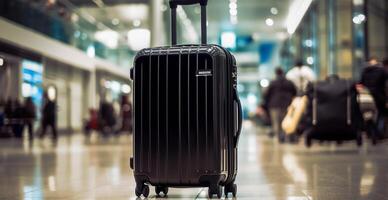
(158, 34)
(92, 97)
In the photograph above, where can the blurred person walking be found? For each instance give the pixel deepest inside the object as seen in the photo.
(49, 117)
(385, 63)
(17, 119)
(126, 114)
(301, 75)
(2, 117)
(107, 119)
(29, 116)
(277, 99)
(374, 77)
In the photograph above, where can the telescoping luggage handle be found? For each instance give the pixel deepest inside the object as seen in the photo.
(174, 4)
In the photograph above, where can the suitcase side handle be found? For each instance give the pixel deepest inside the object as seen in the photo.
(173, 6)
(239, 118)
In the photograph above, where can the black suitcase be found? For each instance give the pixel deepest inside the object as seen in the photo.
(187, 115)
(333, 112)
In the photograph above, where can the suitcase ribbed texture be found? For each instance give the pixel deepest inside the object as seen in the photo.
(176, 136)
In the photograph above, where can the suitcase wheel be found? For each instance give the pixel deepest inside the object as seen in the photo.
(230, 188)
(160, 189)
(142, 190)
(215, 190)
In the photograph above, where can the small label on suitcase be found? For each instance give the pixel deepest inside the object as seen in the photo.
(204, 72)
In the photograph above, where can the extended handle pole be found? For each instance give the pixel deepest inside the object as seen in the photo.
(173, 26)
(203, 24)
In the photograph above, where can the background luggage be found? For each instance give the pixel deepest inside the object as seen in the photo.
(294, 115)
(369, 112)
(187, 115)
(333, 112)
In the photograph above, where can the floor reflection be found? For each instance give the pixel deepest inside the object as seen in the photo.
(78, 167)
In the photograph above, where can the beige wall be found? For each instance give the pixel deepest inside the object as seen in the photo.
(344, 38)
(378, 28)
(322, 37)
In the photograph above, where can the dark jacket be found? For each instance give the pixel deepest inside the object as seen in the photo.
(374, 78)
(49, 112)
(29, 110)
(280, 93)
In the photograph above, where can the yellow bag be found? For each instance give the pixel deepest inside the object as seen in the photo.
(294, 114)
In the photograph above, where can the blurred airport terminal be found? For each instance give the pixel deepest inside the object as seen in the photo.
(66, 94)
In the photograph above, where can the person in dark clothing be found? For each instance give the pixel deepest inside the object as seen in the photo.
(277, 99)
(126, 114)
(49, 117)
(107, 118)
(17, 119)
(385, 64)
(374, 78)
(8, 109)
(2, 114)
(29, 116)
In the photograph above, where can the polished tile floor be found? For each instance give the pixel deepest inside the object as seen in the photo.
(76, 167)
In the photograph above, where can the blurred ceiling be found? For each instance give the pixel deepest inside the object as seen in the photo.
(95, 3)
(251, 15)
(122, 15)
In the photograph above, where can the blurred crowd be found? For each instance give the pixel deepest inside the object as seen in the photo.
(286, 87)
(16, 117)
(111, 118)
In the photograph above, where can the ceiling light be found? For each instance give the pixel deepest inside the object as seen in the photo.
(91, 51)
(358, 2)
(310, 60)
(269, 22)
(115, 21)
(139, 38)
(274, 11)
(233, 11)
(359, 19)
(108, 37)
(296, 12)
(1, 62)
(233, 5)
(356, 20)
(136, 23)
(228, 40)
(264, 83)
(115, 86)
(308, 43)
(126, 89)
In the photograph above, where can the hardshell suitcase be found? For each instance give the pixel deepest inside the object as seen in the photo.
(187, 115)
(333, 111)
